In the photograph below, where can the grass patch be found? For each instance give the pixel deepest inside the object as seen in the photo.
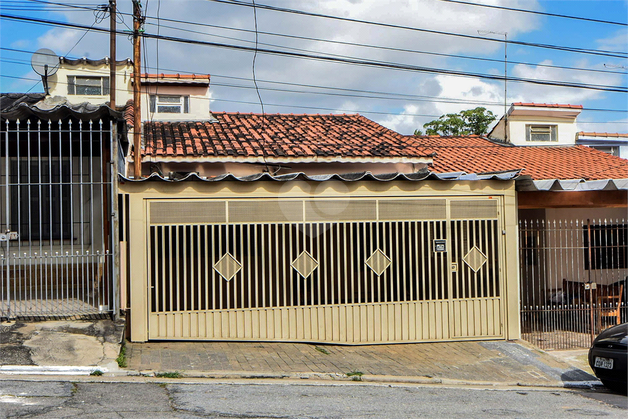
(121, 359)
(355, 375)
(96, 373)
(322, 350)
(175, 374)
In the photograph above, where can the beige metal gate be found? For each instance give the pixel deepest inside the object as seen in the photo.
(369, 270)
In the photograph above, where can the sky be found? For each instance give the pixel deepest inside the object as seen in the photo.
(402, 100)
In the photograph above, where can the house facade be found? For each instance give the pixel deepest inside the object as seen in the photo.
(572, 204)
(314, 228)
(58, 198)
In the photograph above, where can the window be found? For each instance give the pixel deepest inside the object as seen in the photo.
(89, 86)
(541, 133)
(169, 104)
(613, 151)
(42, 193)
(609, 245)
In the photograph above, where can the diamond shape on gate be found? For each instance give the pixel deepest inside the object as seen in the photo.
(378, 262)
(304, 264)
(475, 259)
(227, 266)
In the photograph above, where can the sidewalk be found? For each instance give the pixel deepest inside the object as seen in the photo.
(490, 363)
(78, 347)
(68, 346)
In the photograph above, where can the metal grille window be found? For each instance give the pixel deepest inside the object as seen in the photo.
(169, 104)
(89, 86)
(541, 133)
(41, 187)
(608, 247)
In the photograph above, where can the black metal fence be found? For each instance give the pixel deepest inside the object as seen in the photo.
(573, 280)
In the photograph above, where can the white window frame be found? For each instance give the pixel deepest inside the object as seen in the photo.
(536, 132)
(158, 104)
(73, 85)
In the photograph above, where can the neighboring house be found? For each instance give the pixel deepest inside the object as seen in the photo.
(573, 214)
(543, 124)
(611, 143)
(57, 200)
(324, 228)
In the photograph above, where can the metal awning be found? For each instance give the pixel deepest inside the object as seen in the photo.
(344, 177)
(526, 184)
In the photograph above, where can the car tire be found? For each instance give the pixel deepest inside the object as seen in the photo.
(616, 387)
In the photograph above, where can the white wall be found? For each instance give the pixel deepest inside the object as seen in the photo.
(566, 130)
(199, 102)
(58, 83)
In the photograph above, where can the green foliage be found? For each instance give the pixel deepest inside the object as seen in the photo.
(322, 350)
(121, 359)
(472, 121)
(175, 374)
(355, 373)
(96, 373)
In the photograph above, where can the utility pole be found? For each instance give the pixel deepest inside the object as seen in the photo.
(112, 54)
(137, 119)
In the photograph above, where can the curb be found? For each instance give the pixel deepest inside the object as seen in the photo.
(49, 370)
(382, 379)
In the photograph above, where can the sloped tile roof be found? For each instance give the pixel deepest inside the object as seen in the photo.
(280, 137)
(473, 154)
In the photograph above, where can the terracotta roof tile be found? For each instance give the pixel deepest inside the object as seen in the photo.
(602, 134)
(278, 135)
(547, 105)
(473, 154)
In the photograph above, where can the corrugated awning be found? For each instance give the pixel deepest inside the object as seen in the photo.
(527, 184)
(345, 177)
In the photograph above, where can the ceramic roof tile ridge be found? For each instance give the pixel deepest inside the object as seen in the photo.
(547, 105)
(602, 134)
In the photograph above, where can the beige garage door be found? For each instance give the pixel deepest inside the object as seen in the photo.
(326, 270)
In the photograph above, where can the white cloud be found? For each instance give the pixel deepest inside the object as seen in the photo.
(59, 40)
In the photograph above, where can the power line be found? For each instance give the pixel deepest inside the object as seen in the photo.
(365, 94)
(359, 62)
(300, 12)
(379, 47)
(459, 56)
(621, 54)
(537, 12)
(320, 108)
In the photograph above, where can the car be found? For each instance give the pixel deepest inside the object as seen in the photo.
(608, 357)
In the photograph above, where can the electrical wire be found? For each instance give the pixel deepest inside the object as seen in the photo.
(359, 62)
(537, 12)
(379, 47)
(325, 90)
(241, 3)
(432, 31)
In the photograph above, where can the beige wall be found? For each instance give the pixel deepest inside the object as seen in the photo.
(141, 193)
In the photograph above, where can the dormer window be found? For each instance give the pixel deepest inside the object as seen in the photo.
(541, 133)
(88, 85)
(169, 104)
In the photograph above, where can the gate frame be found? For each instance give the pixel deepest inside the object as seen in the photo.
(142, 191)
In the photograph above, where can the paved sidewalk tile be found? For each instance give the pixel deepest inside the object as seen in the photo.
(492, 361)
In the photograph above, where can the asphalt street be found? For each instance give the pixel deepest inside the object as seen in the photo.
(283, 399)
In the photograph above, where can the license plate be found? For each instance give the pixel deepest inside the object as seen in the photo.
(604, 363)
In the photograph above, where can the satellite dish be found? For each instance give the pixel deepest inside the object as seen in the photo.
(45, 63)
